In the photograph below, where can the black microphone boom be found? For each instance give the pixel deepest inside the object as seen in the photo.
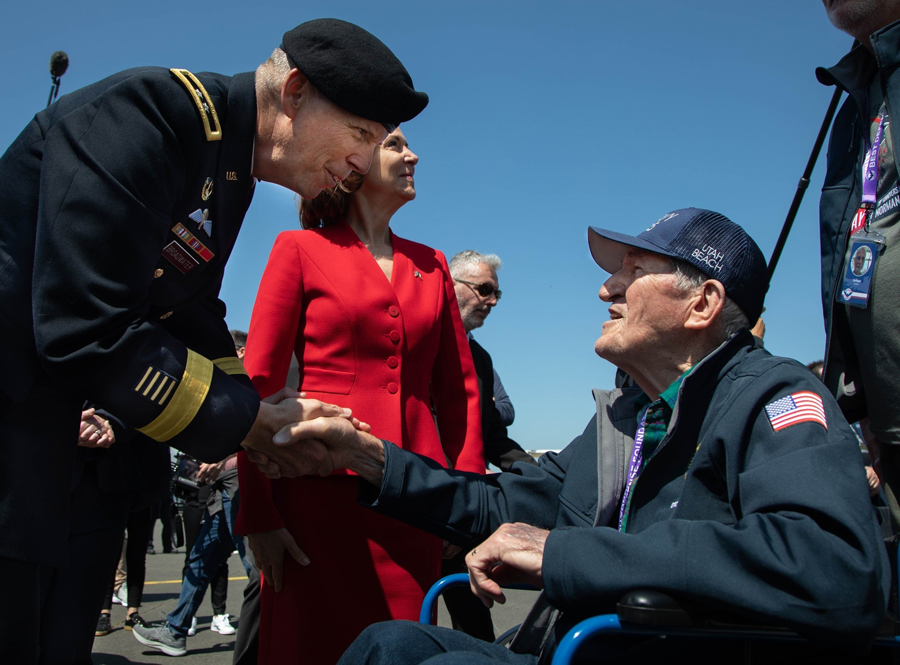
(804, 182)
(59, 63)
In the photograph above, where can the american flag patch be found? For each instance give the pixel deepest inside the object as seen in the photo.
(800, 407)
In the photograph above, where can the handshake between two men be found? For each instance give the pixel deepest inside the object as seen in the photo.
(325, 437)
(285, 440)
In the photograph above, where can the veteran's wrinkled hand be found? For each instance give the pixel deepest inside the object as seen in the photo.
(513, 554)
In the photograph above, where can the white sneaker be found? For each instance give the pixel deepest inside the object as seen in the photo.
(193, 629)
(121, 595)
(221, 625)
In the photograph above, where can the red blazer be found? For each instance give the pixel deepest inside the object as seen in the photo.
(383, 349)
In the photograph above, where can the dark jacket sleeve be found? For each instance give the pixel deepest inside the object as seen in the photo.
(804, 549)
(465, 508)
(112, 171)
(503, 402)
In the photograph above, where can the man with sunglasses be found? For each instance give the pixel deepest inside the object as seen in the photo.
(477, 289)
(477, 292)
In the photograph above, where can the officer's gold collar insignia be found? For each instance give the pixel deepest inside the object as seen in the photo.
(203, 102)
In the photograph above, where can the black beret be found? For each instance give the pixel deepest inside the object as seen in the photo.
(355, 70)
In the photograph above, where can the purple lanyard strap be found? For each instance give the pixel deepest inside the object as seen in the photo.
(870, 168)
(637, 457)
(869, 176)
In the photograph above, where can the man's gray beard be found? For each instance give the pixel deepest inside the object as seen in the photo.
(859, 17)
(470, 321)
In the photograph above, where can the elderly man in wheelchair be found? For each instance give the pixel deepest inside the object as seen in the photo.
(724, 477)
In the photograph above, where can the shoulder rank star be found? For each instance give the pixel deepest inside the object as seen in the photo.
(207, 189)
(203, 220)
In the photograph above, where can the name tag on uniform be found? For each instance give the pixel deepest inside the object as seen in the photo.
(179, 257)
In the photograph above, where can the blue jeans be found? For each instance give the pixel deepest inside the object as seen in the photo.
(212, 548)
(410, 643)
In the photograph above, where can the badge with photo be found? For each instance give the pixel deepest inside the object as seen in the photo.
(857, 285)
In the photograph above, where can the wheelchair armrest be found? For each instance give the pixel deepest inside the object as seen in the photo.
(650, 608)
(650, 612)
(646, 607)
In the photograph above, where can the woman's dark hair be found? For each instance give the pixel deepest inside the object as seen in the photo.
(330, 205)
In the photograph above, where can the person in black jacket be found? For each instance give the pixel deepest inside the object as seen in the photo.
(702, 481)
(477, 293)
(860, 234)
(477, 290)
(119, 207)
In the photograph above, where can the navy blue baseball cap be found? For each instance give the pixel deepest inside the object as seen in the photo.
(710, 242)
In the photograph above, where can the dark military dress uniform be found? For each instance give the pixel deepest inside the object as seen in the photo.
(119, 207)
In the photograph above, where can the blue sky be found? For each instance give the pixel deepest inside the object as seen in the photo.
(544, 118)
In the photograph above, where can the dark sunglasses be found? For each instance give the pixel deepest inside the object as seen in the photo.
(484, 289)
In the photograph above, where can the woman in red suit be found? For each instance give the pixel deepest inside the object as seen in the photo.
(373, 321)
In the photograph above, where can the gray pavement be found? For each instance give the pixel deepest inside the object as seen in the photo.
(209, 648)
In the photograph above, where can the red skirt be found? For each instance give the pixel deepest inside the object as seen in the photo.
(363, 568)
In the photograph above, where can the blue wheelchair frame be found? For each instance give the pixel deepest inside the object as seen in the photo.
(655, 622)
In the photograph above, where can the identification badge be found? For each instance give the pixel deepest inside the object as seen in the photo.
(857, 286)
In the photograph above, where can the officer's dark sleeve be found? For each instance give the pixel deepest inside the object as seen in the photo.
(111, 174)
(202, 328)
(465, 508)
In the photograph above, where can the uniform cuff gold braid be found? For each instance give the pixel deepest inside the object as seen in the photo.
(186, 401)
(230, 365)
(189, 395)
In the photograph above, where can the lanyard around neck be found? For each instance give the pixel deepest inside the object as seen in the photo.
(637, 458)
(870, 166)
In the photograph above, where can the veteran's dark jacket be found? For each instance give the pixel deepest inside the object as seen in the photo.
(772, 525)
(109, 283)
(842, 193)
(108, 286)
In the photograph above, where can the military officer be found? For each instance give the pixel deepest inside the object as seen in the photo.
(119, 207)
